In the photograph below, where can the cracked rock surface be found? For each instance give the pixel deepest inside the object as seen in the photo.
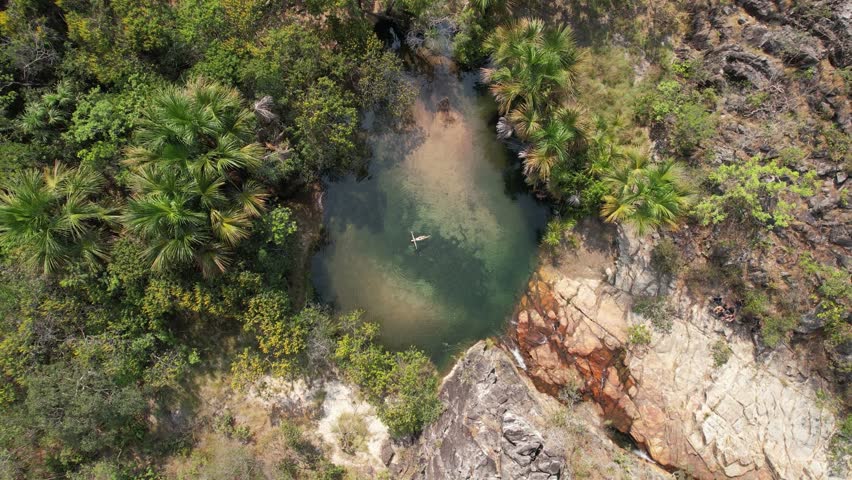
(745, 419)
(496, 425)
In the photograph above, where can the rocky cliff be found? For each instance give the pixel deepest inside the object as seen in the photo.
(497, 426)
(740, 418)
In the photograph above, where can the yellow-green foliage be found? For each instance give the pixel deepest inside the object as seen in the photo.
(403, 385)
(756, 190)
(834, 297)
(639, 335)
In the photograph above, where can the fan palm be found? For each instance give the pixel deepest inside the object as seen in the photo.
(52, 218)
(483, 5)
(644, 194)
(603, 150)
(525, 120)
(191, 202)
(530, 62)
(202, 127)
(558, 139)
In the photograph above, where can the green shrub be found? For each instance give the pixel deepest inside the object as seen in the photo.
(839, 146)
(657, 310)
(555, 232)
(692, 124)
(665, 258)
(638, 335)
(242, 433)
(571, 393)
(754, 191)
(402, 385)
(351, 432)
(776, 328)
(280, 337)
(834, 294)
(721, 352)
(224, 423)
(326, 130)
(757, 99)
(467, 43)
(791, 156)
(755, 304)
(682, 109)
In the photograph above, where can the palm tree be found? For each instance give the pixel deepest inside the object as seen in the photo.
(603, 151)
(530, 63)
(525, 120)
(559, 139)
(192, 202)
(644, 194)
(51, 216)
(483, 5)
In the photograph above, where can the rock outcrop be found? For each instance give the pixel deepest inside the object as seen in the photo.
(497, 426)
(742, 419)
(830, 20)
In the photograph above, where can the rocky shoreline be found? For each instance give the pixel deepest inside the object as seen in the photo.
(496, 425)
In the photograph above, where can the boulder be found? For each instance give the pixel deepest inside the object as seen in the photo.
(496, 425)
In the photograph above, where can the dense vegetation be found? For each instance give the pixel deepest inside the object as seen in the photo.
(575, 157)
(150, 151)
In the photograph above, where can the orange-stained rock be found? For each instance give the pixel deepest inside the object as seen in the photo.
(742, 420)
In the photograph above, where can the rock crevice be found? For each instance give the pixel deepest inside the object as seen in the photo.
(496, 425)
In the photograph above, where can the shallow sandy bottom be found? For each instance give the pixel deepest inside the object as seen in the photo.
(448, 177)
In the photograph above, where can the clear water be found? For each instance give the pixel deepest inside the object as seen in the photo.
(447, 177)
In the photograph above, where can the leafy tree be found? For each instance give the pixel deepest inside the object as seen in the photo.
(411, 401)
(101, 123)
(32, 40)
(83, 408)
(381, 84)
(52, 217)
(326, 130)
(468, 48)
(223, 61)
(643, 194)
(287, 61)
(754, 191)
(114, 40)
(193, 154)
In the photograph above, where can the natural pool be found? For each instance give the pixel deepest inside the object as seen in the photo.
(448, 177)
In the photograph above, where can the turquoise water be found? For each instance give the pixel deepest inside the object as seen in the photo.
(448, 177)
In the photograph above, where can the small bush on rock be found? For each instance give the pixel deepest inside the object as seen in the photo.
(657, 311)
(665, 258)
(721, 353)
(639, 335)
(351, 431)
